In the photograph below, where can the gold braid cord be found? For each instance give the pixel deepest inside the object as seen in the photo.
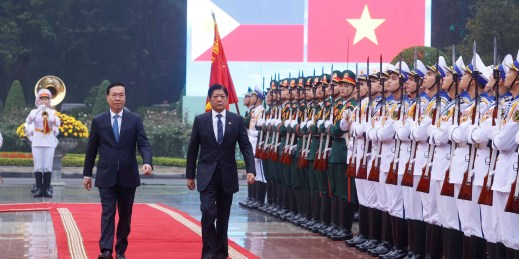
(75, 241)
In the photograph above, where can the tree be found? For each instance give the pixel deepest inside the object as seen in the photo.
(427, 55)
(100, 104)
(15, 99)
(492, 18)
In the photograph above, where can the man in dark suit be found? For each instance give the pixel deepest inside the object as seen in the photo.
(215, 134)
(115, 134)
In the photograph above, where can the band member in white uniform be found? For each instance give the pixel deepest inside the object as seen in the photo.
(44, 123)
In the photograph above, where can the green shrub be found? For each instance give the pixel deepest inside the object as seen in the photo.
(427, 55)
(15, 99)
(100, 104)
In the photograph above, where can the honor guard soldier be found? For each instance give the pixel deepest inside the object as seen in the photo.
(415, 102)
(257, 113)
(424, 154)
(485, 165)
(462, 173)
(303, 139)
(505, 178)
(314, 176)
(250, 202)
(356, 150)
(345, 186)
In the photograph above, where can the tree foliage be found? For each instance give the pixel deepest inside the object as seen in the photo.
(491, 18)
(100, 104)
(427, 55)
(140, 43)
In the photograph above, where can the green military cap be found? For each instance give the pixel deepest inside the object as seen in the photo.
(336, 76)
(325, 79)
(348, 77)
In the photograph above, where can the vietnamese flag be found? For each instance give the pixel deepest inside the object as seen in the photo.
(220, 73)
(366, 27)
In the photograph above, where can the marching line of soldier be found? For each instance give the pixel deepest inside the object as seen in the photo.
(428, 156)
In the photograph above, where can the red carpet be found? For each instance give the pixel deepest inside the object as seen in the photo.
(158, 231)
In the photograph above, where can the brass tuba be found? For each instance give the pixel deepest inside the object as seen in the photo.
(56, 87)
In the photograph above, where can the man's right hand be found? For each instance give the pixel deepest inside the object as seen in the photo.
(87, 182)
(191, 184)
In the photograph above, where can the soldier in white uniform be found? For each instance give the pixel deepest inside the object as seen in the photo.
(45, 123)
(257, 113)
(420, 133)
(506, 167)
(415, 106)
(481, 135)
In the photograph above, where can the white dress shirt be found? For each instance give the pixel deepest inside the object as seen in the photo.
(215, 122)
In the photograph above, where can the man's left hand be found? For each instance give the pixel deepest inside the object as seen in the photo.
(146, 168)
(251, 178)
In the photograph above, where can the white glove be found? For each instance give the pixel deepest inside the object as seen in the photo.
(355, 127)
(440, 136)
(41, 107)
(327, 124)
(517, 137)
(277, 122)
(310, 124)
(268, 122)
(302, 124)
(372, 134)
(292, 148)
(397, 125)
(55, 130)
(260, 122)
(287, 122)
(345, 125)
(319, 122)
(293, 123)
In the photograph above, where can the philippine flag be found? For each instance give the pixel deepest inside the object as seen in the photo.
(266, 30)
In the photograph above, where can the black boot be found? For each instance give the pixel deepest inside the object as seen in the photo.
(375, 219)
(387, 239)
(477, 248)
(454, 249)
(245, 202)
(466, 247)
(363, 228)
(399, 239)
(334, 226)
(261, 190)
(39, 185)
(434, 241)
(410, 238)
(346, 220)
(46, 185)
(419, 236)
(500, 250)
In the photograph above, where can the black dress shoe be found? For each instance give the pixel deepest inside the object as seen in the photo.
(105, 255)
(121, 256)
(383, 248)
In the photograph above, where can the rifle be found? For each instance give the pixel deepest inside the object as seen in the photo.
(260, 138)
(487, 195)
(362, 173)
(273, 155)
(374, 173)
(466, 185)
(447, 187)
(512, 204)
(407, 178)
(303, 163)
(392, 175)
(323, 161)
(352, 164)
(424, 183)
(286, 155)
(264, 150)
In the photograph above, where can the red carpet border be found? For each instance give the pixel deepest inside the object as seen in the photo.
(158, 231)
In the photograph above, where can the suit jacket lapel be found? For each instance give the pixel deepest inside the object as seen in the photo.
(209, 126)
(108, 120)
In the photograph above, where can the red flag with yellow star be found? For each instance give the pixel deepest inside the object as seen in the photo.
(366, 27)
(220, 73)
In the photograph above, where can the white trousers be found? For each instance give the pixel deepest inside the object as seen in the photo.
(469, 212)
(395, 199)
(446, 208)
(361, 192)
(260, 176)
(43, 158)
(490, 222)
(412, 201)
(371, 195)
(508, 222)
(430, 205)
(381, 192)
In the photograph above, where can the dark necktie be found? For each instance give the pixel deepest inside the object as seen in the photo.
(220, 129)
(115, 128)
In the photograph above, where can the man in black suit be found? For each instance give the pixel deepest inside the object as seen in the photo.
(115, 134)
(215, 134)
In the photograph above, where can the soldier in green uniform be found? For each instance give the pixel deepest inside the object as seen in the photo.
(311, 129)
(345, 186)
